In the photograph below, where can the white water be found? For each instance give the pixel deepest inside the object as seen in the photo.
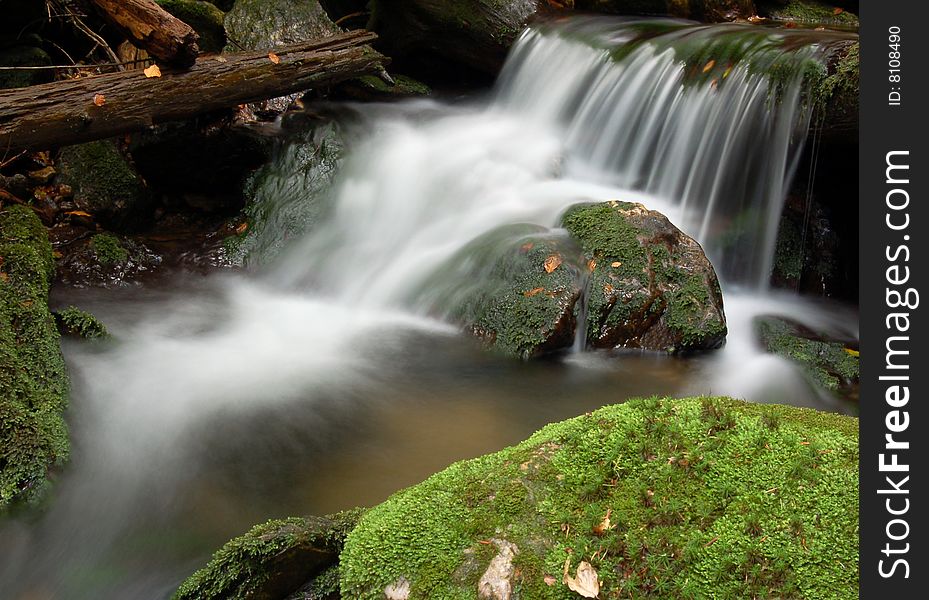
(564, 125)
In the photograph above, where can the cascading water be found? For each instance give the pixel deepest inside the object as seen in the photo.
(702, 123)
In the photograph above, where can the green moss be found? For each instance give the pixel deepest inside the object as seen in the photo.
(74, 321)
(203, 17)
(828, 364)
(809, 12)
(108, 249)
(272, 559)
(403, 85)
(33, 435)
(837, 93)
(709, 498)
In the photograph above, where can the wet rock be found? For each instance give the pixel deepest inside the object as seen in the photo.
(515, 289)
(836, 94)
(708, 11)
(497, 581)
(809, 12)
(372, 88)
(472, 33)
(205, 18)
(650, 285)
(809, 255)
(830, 364)
(33, 378)
(101, 260)
(691, 479)
(106, 185)
(275, 560)
(75, 322)
(264, 24)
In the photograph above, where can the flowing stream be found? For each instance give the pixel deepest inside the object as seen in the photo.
(322, 378)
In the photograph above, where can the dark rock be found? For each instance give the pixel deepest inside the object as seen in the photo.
(651, 286)
(24, 56)
(515, 288)
(830, 364)
(101, 260)
(33, 378)
(274, 560)
(106, 185)
(372, 88)
(837, 93)
(707, 11)
(264, 24)
(205, 18)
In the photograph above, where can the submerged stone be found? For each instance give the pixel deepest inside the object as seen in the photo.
(33, 378)
(650, 286)
(275, 560)
(689, 498)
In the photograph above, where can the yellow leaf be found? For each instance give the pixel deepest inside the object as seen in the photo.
(852, 352)
(221, 59)
(274, 58)
(616, 264)
(591, 265)
(604, 525)
(78, 213)
(152, 71)
(99, 99)
(533, 292)
(727, 71)
(585, 582)
(552, 263)
(709, 66)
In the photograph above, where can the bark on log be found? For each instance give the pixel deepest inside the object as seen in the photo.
(64, 112)
(151, 27)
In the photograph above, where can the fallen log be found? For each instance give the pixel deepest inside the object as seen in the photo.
(152, 28)
(80, 110)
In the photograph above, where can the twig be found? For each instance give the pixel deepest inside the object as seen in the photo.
(341, 20)
(12, 160)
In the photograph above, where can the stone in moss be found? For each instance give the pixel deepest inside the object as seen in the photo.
(76, 322)
(106, 185)
(205, 18)
(273, 560)
(828, 364)
(33, 378)
(707, 497)
(651, 286)
(108, 249)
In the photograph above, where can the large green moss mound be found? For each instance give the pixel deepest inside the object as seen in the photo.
(33, 379)
(706, 498)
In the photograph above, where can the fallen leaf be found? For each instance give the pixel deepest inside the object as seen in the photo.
(591, 265)
(727, 71)
(851, 352)
(585, 582)
(604, 525)
(549, 580)
(608, 289)
(552, 263)
(820, 28)
(78, 213)
(4, 277)
(274, 58)
(152, 71)
(242, 228)
(755, 19)
(616, 264)
(527, 247)
(709, 66)
(838, 11)
(99, 99)
(221, 59)
(533, 292)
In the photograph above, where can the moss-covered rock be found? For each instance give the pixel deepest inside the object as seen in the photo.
(692, 498)
(515, 288)
(371, 88)
(708, 11)
(79, 323)
(807, 12)
(828, 363)
(33, 379)
(205, 18)
(262, 24)
(837, 93)
(651, 286)
(274, 560)
(24, 56)
(106, 185)
(108, 249)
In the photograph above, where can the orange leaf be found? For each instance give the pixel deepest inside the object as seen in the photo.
(274, 58)
(591, 265)
(552, 263)
(549, 580)
(616, 264)
(709, 66)
(604, 525)
(533, 292)
(838, 11)
(99, 99)
(78, 213)
(152, 71)
(241, 228)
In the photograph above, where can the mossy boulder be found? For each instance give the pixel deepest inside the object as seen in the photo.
(263, 24)
(837, 93)
(205, 18)
(106, 185)
(651, 286)
(708, 11)
(24, 56)
(75, 322)
(807, 12)
(829, 364)
(274, 560)
(689, 498)
(33, 378)
(515, 288)
(475, 34)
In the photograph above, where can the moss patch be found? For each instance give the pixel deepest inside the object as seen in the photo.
(108, 249)
(274, 559)
(33, 435)
(808, 12)
(206, 20)
(707, 497)
(79, 323)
